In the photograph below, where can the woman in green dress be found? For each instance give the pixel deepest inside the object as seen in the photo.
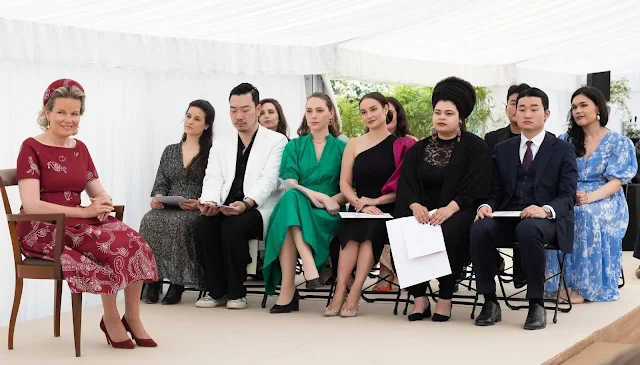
(302, 225)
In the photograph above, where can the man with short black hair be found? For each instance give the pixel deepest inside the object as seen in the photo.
(238, 194)
(492, 139)
(534, 174)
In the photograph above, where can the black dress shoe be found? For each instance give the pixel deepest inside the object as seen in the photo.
(519, 280)
(174, 294)
(152, 294)
(536, 318)
(490, 314)
(313, 283)
(420, 316)
(293, 306)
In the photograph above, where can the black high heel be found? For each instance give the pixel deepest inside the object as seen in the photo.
(293, 306)
(174, 294)
(441, 318)
(420, 316)
(152, 294)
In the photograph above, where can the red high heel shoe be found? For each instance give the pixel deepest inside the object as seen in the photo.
(142, 342)
(126, 344)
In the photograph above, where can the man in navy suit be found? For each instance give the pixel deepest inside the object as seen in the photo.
(492, 139)
(535, 174)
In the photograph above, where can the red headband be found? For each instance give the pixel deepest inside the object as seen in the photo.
(56, 84)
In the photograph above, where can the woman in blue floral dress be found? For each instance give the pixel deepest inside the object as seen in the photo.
(606, 161)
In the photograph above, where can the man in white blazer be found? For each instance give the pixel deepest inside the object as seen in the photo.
(242, 174)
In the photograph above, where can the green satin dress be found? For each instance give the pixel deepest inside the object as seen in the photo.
(318, 227)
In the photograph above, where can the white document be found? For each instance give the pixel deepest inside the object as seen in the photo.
(170, 200)
(352, 215)
(507, 214)
(212, 204)
(288, 186)
(412, 271)
(421, 239)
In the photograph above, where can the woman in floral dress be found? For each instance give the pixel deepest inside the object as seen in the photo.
(606, 161)
(101, 255)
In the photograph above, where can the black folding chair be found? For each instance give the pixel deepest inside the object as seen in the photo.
(508, 299)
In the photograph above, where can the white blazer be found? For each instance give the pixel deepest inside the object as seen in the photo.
(261, 176)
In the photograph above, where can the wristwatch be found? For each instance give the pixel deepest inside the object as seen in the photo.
(246, 204)
(548, 211)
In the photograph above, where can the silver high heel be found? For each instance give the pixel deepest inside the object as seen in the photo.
(332, 312)
(349, 314)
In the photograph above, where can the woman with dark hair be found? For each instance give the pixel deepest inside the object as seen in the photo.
(272, 117)
(372, 163)
(606, 161)
(444, 177)
(169, 229)
(398, 125)
(300, 226)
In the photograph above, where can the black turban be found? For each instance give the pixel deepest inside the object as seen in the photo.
(457, 91)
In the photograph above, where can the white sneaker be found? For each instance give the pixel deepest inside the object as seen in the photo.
(240, 303)
(208, 302)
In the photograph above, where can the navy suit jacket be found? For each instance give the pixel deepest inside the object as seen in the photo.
(555, 181)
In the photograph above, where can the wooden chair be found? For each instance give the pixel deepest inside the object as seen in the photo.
(33, 268)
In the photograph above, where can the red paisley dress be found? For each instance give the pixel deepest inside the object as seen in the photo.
(98, 257)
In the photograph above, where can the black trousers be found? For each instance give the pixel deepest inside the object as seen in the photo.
(636, 251)
(517, 267)
(453, 230)
(531, 234)
(222, 248)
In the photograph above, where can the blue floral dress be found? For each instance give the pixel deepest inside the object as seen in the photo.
(595, 263)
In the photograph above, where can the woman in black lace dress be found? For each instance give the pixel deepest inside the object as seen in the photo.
(451, 172)
(169, 229)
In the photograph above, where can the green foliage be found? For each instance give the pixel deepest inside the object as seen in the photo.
(416, 101)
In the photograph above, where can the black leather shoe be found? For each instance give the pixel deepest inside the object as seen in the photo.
(174, 294)
(420, 316)
(152, 294)
(519, 280)
(313, 283)
(293, 306)
(490, 314)
(537, 318)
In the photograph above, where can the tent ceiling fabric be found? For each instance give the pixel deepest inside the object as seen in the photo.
(409, 41)
(267, 22)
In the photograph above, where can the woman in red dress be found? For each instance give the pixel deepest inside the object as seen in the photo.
(101, 255)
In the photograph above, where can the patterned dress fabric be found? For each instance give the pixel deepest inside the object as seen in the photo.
(169, 231)
(595, 263)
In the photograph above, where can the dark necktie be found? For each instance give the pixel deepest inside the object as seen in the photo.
(528, 157)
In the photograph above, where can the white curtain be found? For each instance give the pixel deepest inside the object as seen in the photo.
(131, 115)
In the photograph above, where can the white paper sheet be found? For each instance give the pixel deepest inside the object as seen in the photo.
(212, 204)
(421, 239)
(354, 215)
(417, 270)
(288, 186)
(170, 200)
(507, 214)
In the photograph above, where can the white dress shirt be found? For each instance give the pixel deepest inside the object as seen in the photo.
(535, 147)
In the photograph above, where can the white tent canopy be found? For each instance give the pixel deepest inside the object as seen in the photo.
(417, 41)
